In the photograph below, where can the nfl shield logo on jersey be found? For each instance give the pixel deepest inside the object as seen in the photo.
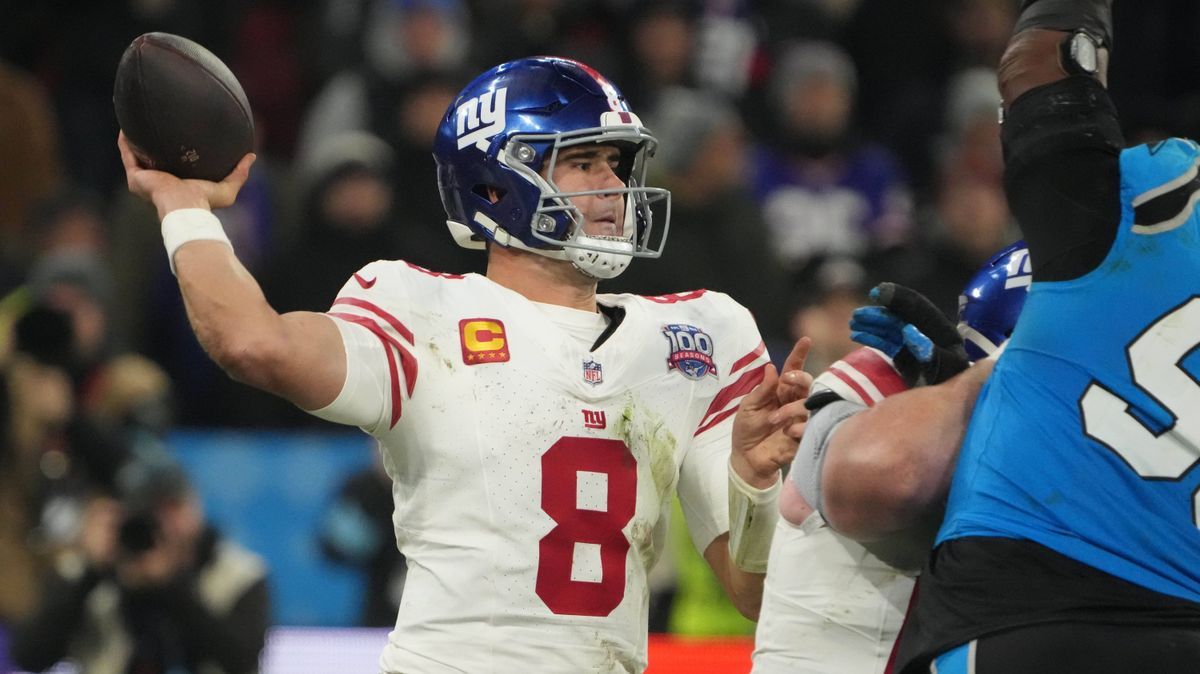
(593, 372)
(691, 351)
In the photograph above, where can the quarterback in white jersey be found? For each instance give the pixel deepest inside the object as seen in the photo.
(535, 431)
(532, 471)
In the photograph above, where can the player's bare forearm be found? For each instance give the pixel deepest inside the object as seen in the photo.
(888, 467)
(766, 432)
(297, 356)
(1032, 59)
(224, 303)
(744, 589)
(1035, 52)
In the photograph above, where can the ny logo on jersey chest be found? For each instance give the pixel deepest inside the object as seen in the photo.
(594, 419)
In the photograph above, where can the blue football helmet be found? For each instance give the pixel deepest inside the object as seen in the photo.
(992, 300)
(502, 136)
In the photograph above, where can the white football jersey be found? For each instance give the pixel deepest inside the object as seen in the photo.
(531, 472)
(830, 605)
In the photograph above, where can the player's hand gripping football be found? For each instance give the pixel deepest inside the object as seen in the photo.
(770, 420)
(922, 342)
(168, 192)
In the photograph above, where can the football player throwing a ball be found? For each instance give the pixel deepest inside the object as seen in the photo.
(534, 429)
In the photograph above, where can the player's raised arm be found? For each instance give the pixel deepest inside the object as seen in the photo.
(1055, 39)
(766, 430)
(298, 356)
(1061, 135)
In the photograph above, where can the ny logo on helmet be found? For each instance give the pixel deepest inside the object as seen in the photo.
(486, 110)
(1019, 271)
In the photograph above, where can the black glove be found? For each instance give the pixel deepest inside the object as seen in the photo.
(924, 345)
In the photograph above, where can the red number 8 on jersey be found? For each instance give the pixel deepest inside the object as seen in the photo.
(576, 523)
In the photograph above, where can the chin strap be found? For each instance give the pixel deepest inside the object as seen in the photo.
(614, 258)
(606, 264)
(465, 237)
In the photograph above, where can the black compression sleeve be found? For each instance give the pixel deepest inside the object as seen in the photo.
(1062, 144)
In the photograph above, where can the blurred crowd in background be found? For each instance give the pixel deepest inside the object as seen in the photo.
(813, 148)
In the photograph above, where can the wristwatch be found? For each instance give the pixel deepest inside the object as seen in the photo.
(1081, 54)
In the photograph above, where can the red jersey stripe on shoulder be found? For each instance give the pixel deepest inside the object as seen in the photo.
(725, 396)
(672, 298)
(438, 274)
(741, 386)
(748, 358)
(715, 420)
(849, 381)
(877, 369)
(407, 361)
(388, 344)
(373, 308)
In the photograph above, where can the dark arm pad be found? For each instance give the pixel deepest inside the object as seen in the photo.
(1093, 16)
(1070, 114)
(1062, 143)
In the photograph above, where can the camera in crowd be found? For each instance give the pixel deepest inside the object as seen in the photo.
(146, 482)
(138, 532)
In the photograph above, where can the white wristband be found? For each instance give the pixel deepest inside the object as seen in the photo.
(752, 516)
(190, 224)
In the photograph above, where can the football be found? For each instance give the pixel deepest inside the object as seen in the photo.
(181, 108)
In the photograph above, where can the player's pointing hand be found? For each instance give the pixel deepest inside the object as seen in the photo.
(770, 420)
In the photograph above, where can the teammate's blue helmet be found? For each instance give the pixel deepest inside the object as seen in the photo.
(992, 300)
(503, 134)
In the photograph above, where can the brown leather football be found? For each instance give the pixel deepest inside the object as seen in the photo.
(181, 108)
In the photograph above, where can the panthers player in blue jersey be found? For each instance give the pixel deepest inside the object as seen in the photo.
(1070, 540)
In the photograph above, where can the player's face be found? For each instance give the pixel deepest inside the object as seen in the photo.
(593, 167)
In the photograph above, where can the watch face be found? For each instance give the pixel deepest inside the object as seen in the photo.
(1083, 53)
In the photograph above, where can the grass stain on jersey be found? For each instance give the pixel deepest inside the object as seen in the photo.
(437, 354)
(649, 436)
(653, 444)
(642, 533)
(615, 656)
